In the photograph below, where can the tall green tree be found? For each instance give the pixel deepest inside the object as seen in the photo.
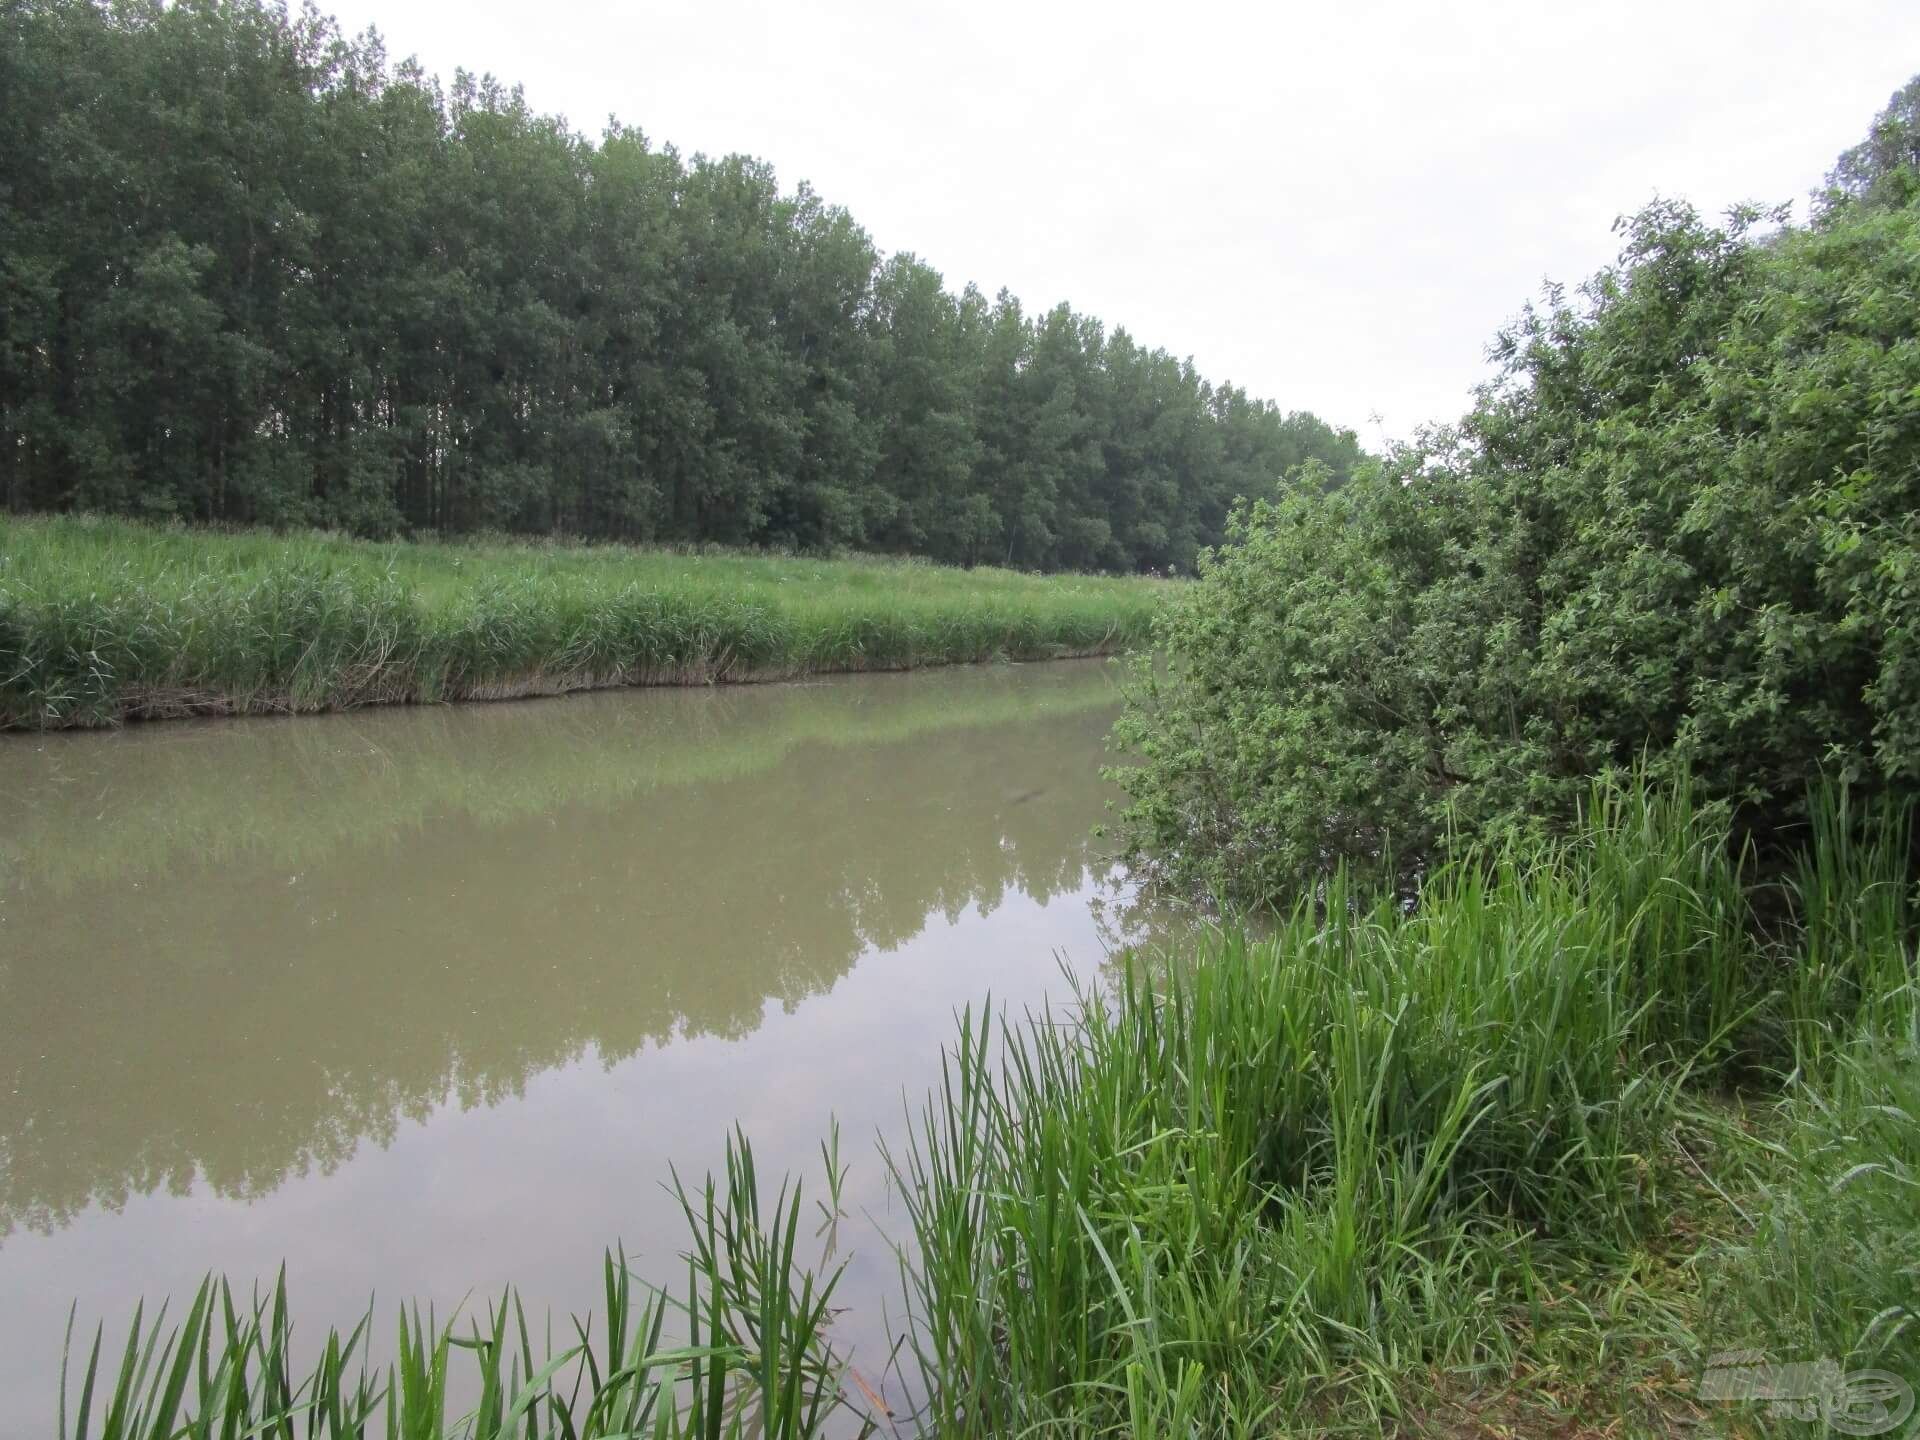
(254, 272)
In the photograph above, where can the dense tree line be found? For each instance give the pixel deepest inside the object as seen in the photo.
(256, 273)
(1680, 529)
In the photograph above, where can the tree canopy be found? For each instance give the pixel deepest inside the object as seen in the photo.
(254, 272)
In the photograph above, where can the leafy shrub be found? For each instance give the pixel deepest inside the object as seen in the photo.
(1682, 524)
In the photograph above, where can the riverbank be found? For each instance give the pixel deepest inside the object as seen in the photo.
(105, 621)
(1520, 1161)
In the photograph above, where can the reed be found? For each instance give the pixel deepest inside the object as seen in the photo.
(743, 1350)
(1292, 1180)
(103, 620)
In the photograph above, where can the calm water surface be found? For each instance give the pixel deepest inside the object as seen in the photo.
(424, 1002)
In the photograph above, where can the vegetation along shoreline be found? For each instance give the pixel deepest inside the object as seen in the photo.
(104, 621)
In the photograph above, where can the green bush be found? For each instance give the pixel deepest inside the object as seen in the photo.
(1683, 524)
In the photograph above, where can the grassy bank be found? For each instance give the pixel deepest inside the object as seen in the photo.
(1514, 1162)
(1479, 1165)
(103, 621)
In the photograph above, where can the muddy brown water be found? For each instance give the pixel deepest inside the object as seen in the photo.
(426, 1002)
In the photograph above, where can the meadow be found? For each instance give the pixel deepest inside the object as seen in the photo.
(1518, 1158)
(103, 621)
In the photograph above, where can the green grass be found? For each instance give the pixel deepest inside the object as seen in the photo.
(1826, 1261)
(742, 1350)
(103, 621)
(1512, 1160)
(1343, 1175)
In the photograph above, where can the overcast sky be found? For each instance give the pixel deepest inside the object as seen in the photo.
(1333, 205)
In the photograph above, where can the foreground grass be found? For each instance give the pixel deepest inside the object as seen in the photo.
(103, 621)
(1512, 1162)
(740, 1351)
(1392, 1171)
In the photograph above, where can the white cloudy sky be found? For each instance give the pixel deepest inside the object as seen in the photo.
(1333, 205)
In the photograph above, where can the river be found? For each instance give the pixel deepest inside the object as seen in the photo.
(426, 1002)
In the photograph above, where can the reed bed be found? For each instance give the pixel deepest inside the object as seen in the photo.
(1509, 1159)
(1326, 1179)
(742, 1350)
(103, 621)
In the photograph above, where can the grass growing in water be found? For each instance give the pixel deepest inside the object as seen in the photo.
(751, 1355)
(102, 620)
(1492, 1165)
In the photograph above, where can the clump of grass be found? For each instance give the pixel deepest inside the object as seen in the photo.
(105, 620)
(1828, 1266)
(1852, 888)
(752, 1357)
(1376, 1152)
(1827, 1262)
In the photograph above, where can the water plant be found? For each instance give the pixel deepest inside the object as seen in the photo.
(744, 1349)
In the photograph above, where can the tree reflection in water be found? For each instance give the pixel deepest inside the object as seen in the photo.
(234, 952)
